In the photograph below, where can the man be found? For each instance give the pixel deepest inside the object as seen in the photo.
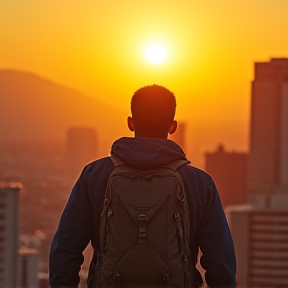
(153, 109)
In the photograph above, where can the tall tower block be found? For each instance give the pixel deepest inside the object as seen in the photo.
(229, 171)
(180, 135)
(81, 147)
(259, 229)
(268, 159)
(9, 232)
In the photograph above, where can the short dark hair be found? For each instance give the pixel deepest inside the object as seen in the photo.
(153, 109)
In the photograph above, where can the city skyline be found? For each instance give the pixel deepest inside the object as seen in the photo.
(78, 63)
(98, 48)
(261, 233)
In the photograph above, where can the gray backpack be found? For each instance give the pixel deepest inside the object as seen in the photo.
(144, 229)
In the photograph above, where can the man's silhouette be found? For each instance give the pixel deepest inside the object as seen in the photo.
(153, 109)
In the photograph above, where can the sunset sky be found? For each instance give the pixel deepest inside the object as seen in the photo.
(98, 47)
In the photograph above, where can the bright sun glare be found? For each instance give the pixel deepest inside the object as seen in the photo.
(156, 53)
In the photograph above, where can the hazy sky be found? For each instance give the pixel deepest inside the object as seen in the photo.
(98, 48)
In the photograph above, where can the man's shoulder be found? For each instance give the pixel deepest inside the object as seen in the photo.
(102, 164)
(195, 172)
(199, 186)
(100, 161)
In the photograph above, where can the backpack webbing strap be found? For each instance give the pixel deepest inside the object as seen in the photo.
(117, 161)
(177, 163)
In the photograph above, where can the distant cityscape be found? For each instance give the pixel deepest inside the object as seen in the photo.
(36, 181)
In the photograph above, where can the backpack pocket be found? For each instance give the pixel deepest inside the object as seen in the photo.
(142, 265)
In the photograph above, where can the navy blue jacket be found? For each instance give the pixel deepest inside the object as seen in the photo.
(80, 219)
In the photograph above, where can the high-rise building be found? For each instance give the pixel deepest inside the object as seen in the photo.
(9, 234)
(261, 242)
(180, 135)
(268, 159)
(28, 268)
(81, 147)
(229, 171)
(260, 228)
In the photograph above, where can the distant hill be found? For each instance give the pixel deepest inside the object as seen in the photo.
(36, 109)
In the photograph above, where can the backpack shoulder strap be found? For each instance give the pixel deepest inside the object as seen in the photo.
(177, 164)
(117, 161)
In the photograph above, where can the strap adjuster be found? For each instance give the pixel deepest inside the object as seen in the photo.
(142, 222)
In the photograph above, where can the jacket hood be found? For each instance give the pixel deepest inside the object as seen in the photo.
(147, 152)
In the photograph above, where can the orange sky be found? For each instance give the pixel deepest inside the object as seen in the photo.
(98, 48)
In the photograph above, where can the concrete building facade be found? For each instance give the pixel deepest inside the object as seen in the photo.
(81, 148)
(180, 135)
(260, 228)
(9, 234)
(229, 171)
(28, 268)
(261, 242)
(268, 159)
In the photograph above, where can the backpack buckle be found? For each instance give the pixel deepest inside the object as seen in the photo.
(118, 279)
(165, 275)
(183, 200)
(142, 220)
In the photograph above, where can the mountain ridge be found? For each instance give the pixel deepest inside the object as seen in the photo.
(33, 108)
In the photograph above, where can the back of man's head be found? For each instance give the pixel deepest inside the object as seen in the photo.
(153, 110)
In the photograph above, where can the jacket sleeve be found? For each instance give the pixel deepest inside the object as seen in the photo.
(216, 243)
(209, 229)
(71, 238)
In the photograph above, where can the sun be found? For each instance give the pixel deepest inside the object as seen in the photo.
(156, 53)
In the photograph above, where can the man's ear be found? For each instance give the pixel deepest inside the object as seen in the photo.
(130, 124)
(173, 127)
